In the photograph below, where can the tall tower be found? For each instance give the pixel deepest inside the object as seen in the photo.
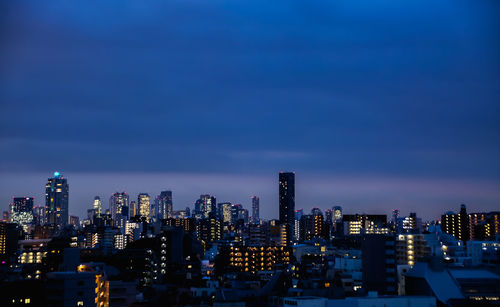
(165, 204)
(56, 200)
(143, 203)
(118, 207)
(255, 210)
(97, 206)
(287, 201)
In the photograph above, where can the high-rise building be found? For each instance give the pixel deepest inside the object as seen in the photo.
(143, 202)
(208, 205)
(287, 201)
(56, 200)
(165, 204)
(118, 207)
(456, 225)
(225, 212)
(337, 214)
(255, 210)
(21, 211)
(133, 209)
(97, 206)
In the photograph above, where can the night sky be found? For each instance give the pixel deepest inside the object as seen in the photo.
(375, 104)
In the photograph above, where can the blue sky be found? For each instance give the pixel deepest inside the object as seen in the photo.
(375, 104)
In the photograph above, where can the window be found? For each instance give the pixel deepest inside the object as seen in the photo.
(79, 303)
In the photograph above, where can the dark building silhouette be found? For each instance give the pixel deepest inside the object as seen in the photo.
(56, 200)
(287, 201)
(255, 209)
(379, 263)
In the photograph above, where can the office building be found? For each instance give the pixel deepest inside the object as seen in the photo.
(56, 201)
(165, 204)
(97, 206)
(144, 205)
(118, 208)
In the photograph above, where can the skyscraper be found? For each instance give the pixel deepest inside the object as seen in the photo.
(143, 202)
(208, 205)
(97, 206)
(165, 204)
(287, 201)
(56, 200)
(118, 208)
(21, 211)
(255, 210)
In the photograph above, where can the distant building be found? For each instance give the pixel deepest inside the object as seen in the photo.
(224, 212)
(97, 206)
(287, 201)
(143, 203)
(255, 210)
(21, 211)
(56, 200)
(118, 207)
(165, 204)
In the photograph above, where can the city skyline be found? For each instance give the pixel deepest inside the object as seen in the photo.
(240, 190)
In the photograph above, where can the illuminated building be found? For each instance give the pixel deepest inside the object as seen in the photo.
(224, 212)
(255, 210)
(475, 219)
(317, 222)
(21, 211)
(56, 200)
(74, 289)
(253, 259)
(456, 225)
(358, 223)
(484, 226)
(101, 285)
(165, 204)
(32, 252)
(284, 235)
(143, 203)
(120, 241)
(118, 208)
(210, 229)
(235, 213)
(410, 248)
(337, 214)
(133, 209)
(39, 217)
(97, 206)
(287, 201)
(411, 224)
(188, 224)
(207, 205)
(132, 230)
